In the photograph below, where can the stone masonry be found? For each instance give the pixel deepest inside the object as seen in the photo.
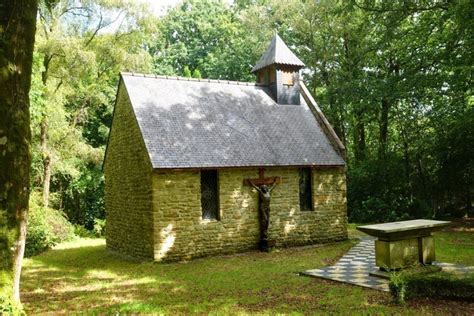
(128, 197)
(181, 233)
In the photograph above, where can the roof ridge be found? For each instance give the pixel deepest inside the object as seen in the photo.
(154, 76)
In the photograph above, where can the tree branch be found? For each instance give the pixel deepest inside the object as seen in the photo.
(406, 8)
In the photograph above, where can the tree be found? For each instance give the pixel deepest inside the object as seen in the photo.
(76, 69)
(206, 35)
(186, 72)
(196, 74)
(17, 35)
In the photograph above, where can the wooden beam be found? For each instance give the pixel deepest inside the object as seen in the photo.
(262, 180)
(266, 181)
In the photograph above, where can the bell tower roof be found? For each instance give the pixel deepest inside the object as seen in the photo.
(277, 53)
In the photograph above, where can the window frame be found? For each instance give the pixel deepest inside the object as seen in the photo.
(217, 214)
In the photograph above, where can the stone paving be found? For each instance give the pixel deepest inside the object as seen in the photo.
(354, 268)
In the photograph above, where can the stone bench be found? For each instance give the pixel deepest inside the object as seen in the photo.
(403, 244)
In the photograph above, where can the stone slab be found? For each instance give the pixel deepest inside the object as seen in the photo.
(403, 229)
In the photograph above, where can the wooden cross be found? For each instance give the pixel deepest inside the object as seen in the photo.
(262, 180)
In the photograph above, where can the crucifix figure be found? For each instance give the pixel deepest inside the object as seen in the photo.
(264, 187)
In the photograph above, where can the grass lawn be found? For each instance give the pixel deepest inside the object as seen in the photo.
(81, 276)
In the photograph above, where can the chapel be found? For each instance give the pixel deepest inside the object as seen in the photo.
(198, 167)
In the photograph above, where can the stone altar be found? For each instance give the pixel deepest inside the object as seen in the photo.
(403, 244)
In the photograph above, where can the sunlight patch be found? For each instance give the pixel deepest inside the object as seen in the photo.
(168, 237)
(81, 242)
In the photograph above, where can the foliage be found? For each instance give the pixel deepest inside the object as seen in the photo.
(206, 36)
(97, 231)
(99, 227)
(82, 232)
(186, 72)
(196, 74)
(84, 197)
(9, 307)
(75, 75)
(377, 192)
(46, 228)
(429, 282)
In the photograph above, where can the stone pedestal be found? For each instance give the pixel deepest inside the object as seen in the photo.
(392, 255)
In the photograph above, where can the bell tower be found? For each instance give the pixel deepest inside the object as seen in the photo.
(278, 68)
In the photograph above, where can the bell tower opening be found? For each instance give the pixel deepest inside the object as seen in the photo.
(278, 68)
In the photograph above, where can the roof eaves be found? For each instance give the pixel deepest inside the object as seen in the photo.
(321, 166)
(258, 67)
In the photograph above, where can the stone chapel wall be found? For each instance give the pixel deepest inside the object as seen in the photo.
(181, 233)
(127, 170)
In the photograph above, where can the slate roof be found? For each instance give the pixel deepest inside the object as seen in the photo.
(210, 124)
(277, 53)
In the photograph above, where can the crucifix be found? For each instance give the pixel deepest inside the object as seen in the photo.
(264, 187)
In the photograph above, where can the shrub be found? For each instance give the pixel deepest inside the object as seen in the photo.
(379, 192)
(81, 231)
(46, 228)
(8, 307)
(97, 231)
(432, 283)
(99, 227)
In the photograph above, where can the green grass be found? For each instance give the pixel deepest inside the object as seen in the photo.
(82, 276)
(455, 247)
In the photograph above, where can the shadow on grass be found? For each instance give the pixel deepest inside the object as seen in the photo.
(90, 278)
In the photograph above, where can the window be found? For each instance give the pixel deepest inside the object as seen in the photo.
(261, 77)
(209, 194)
(306, 199)
(287, 78)
(272, 74)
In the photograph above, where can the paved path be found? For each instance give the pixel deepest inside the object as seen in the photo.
(354, 268)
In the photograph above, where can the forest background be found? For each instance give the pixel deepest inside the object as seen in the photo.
(394, 78)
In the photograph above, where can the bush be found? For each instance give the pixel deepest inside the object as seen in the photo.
(99, 227)
(8, 307)
(81, 231)
(431, 283)
(97, 231)
(84, 198)
(46, 228)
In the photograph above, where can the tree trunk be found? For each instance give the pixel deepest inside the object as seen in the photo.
(383, 127)
(351, 67)
(468, 199)
(17, 34)
(45, 154)
(46, 160)
(406, 159)
(337, 117)
(359, 137)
